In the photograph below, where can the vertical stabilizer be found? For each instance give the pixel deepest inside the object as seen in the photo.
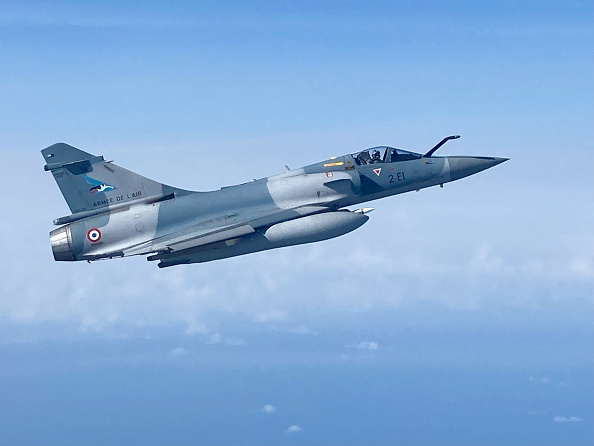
(89, 183)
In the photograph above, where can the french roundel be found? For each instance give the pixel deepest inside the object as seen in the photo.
(94, 235)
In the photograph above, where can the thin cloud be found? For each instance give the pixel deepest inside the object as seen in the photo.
(195, 327)
(541, 380)
(567, 419)
(364, 345)
(302, 330)
(216, 338)
(293, 429)
(88, 21)
(268, 409)
(582, 266)
(271, 316)
(233, 341)
(178, 351)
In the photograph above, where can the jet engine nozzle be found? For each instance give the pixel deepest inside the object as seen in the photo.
(61, 241)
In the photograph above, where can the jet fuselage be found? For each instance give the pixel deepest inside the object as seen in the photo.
(124, 214)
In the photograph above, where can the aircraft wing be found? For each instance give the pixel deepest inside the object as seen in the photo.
(186, 242)
(195, 237)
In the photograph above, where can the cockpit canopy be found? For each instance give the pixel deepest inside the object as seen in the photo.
(383, 154)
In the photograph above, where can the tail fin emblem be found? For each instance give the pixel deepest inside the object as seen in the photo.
(98, 186)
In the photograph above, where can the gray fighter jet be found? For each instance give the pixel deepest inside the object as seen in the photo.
(118, 213)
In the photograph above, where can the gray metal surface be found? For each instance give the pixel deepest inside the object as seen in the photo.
(61, 243)
(118, 213)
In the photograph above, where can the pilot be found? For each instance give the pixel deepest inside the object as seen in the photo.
(375, 157)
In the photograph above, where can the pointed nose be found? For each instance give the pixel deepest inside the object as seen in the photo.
(464, 166)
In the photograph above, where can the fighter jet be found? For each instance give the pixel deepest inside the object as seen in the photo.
(118, 213)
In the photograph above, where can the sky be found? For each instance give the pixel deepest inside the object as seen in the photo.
(455, 316)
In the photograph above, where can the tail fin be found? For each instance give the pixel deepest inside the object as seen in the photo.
(90, 183)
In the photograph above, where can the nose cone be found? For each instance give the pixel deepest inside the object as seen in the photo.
(464, 166)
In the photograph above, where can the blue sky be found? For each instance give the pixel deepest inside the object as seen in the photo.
(460, 315)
